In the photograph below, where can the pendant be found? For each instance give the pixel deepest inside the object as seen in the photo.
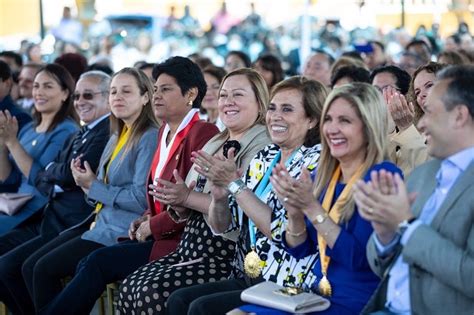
(325, 287)
(252, 265)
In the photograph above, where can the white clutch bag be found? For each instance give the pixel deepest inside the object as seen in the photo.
(10, 203)
(272, 295)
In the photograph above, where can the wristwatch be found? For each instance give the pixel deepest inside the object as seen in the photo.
(236, 187)
(320, 218)
(403, 226)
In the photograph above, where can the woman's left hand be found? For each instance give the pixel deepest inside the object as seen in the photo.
(82, 176)
(218, 169)
(295, 195)
(8, 128)
(169, 193)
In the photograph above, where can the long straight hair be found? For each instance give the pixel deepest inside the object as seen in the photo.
(371, 109)
(145, 120)
(59, 74)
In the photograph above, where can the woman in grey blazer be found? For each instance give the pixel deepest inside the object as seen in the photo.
(118, 192)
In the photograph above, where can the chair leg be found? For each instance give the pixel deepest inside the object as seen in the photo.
(3, 309)
(111, 291)
(101, 305)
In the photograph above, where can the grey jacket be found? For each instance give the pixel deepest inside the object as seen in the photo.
(124, 195)
(440, 256)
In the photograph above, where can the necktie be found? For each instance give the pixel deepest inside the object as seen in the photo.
(79, 139)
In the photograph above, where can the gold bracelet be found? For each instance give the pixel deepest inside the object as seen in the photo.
(295, 234)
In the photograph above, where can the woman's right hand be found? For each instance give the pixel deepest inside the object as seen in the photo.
(295, 195)
(8, 128)
(402, 112)
(135, 225)
(168, 193)
(218, 169)
(83, 176)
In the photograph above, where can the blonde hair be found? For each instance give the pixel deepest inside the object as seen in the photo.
(371, 109)
(145, 120)
(259, 88)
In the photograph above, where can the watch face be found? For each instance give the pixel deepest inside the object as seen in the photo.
(235, 185)
(319, 218)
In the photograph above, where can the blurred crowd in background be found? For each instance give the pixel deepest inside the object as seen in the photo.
(124, 40)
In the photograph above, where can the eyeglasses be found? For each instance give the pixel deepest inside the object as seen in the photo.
(86, 95)
(381, 88)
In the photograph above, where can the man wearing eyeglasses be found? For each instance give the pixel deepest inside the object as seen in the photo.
(67, 206)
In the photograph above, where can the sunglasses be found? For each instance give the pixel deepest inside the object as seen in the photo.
(86, 95)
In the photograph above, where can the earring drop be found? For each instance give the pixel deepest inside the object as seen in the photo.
(190, 103)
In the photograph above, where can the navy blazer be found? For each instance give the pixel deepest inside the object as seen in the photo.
(70, 207)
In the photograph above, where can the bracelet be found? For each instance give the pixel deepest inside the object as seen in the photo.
(295, 234)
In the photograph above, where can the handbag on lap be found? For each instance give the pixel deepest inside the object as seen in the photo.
(10, 203)
(293, 300)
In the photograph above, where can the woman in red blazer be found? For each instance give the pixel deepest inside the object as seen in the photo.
(178, 92)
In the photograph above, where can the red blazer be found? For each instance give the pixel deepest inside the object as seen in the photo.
(166, 232)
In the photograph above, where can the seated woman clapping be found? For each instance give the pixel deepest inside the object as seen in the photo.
(117, 191)
(38, 143)
(178, 92)
(292, 122)
(323, 215)
(201, 256)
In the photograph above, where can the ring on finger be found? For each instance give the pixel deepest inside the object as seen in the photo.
(370, 210)
(206, 169)
(285, 199)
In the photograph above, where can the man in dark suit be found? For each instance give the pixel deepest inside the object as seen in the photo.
(423, 242)
(67, 205)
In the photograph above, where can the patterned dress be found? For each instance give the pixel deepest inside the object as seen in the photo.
(200, 257)
(279, 267)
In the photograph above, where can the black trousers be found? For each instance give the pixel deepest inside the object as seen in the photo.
(15, 247)
(45, 268)
(214, 298)
(103, 266)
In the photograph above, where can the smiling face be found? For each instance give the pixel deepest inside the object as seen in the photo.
(286, 119)
(238, 106)
(210, 99)
(48, 94)
(343, 132)
(438, 123)
(422, 85)
(169, 103)
(90, 109)
(125, 100)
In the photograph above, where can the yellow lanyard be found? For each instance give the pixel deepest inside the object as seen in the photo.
(334, 213)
